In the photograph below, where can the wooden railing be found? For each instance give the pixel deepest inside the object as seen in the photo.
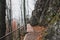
(15, 35)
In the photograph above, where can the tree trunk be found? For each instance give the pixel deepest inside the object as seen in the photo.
(2, 18)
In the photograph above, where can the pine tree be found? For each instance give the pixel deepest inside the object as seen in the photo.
(46, 13)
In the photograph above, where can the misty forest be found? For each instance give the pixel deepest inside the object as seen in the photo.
(29, 19)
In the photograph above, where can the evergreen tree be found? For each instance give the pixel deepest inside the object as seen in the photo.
(47, 13)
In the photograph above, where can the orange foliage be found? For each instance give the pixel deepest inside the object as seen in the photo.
(37, 31)
(40, 30)
(14, 25)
